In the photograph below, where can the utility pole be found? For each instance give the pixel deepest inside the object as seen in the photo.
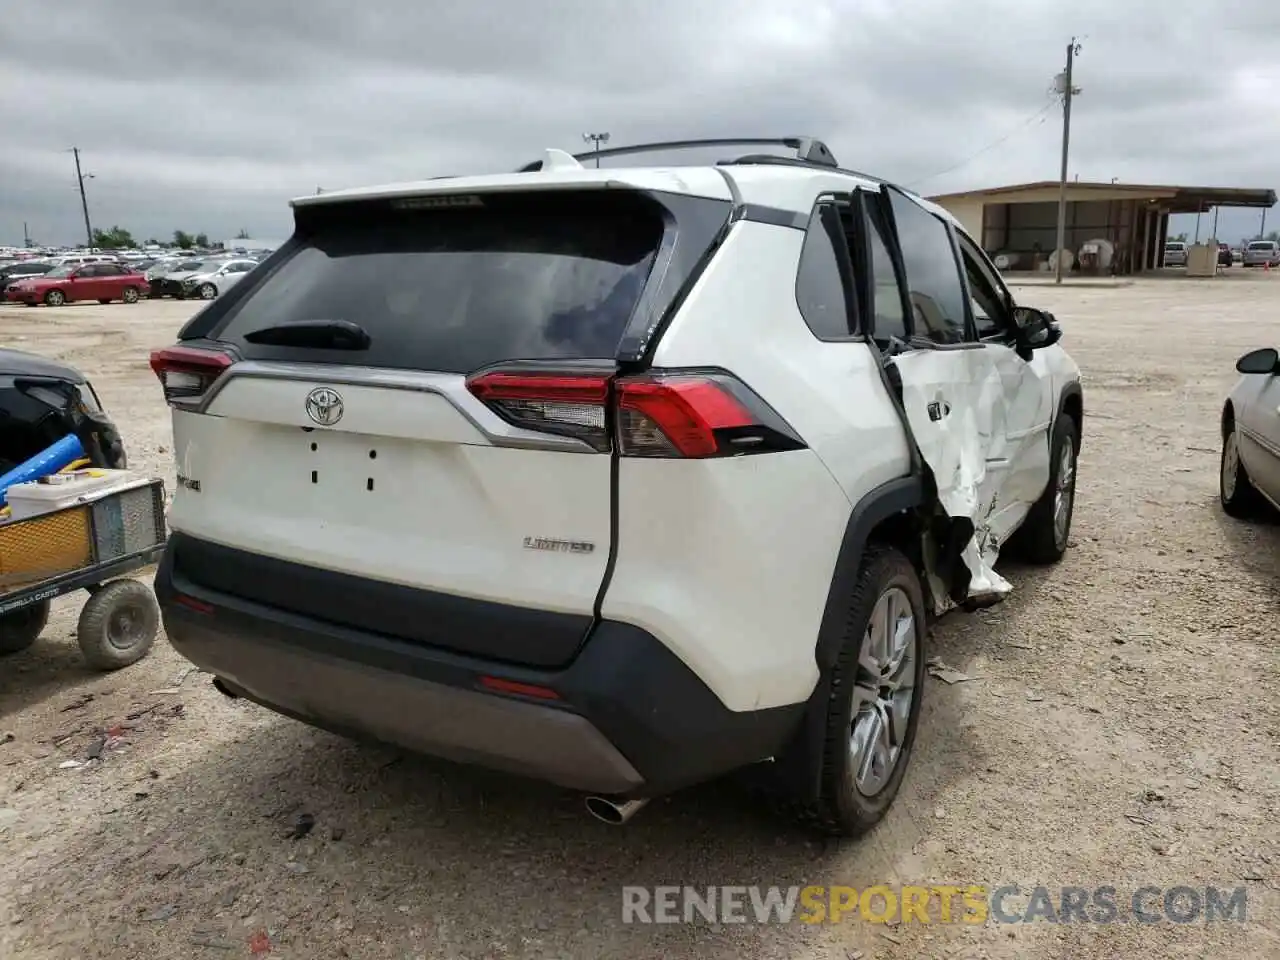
(597, 139)
(84, 203)
(1065, 86)
(1262, 228)
(26, 236)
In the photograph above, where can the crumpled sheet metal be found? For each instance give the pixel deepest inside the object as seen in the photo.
(974, 432)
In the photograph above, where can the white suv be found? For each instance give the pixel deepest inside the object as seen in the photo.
(618, 478)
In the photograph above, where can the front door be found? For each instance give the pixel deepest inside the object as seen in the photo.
(1023, 457)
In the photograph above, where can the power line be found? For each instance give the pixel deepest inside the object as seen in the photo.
(1038, 115)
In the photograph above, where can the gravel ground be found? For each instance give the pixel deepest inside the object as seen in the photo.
(1120, 730)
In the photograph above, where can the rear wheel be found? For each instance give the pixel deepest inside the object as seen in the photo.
(21, 628)
(208, 291)
(873, 705)
(129, 295)
(55, 298)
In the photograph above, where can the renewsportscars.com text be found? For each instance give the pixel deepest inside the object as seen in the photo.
(938, 903)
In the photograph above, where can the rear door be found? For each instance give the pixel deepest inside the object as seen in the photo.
(415, 427)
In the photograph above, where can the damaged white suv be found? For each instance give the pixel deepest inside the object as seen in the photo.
(618, 478)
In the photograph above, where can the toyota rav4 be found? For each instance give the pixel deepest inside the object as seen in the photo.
(618, 478)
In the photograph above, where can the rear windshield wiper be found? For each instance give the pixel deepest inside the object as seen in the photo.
(318, 334)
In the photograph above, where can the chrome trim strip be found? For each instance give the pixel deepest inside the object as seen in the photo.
(450, 386)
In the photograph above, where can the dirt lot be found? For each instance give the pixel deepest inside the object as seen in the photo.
(1121, 730)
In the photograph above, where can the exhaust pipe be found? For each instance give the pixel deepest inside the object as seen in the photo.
(221, 686)
(614, 813)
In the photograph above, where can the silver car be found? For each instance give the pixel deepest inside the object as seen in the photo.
(215, 278)
(1250, 473)
(1260, 253)
(1175, 254)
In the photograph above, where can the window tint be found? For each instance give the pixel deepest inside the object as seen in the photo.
(455, 288)
(821, 281)
(885, 292)
(108, 270)
(933, 278)
(986, 293)
(1260, 245)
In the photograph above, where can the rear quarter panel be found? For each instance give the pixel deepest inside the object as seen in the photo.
(729, 562)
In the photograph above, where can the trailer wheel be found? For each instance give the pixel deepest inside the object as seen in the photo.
(119, 624)
(21, 628)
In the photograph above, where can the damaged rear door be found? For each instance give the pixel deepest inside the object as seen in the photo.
(978, 412)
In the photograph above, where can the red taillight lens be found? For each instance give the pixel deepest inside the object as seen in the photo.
(187, 373)
(671, 414)
(676, 417)
(561, 403)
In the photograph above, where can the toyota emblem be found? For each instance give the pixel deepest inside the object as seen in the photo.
(324, 406)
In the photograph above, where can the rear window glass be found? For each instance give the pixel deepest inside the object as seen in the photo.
(514, 277)
(1262, 245)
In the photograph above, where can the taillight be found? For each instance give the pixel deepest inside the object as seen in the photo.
(696, 415)
(187, 373)
(690, 415)
(565, 404)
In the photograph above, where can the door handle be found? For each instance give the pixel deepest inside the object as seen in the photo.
(938, 409)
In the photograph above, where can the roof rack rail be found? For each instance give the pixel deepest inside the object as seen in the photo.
(807, 149)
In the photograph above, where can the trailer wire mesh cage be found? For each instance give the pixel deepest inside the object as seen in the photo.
(110, 527)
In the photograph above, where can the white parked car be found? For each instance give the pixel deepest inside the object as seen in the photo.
(618, 478)
(214, 278)
(1250, 474)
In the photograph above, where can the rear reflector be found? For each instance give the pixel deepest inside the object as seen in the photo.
(187, 373)
(191, 603)
(499, 685)
(677, 414)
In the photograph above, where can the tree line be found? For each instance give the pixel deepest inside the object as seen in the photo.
(118, 238)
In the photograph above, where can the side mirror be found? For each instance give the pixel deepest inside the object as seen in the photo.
(1265, 361)
(1036, 329)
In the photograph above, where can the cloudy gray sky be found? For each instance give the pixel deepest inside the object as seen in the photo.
(208, 115)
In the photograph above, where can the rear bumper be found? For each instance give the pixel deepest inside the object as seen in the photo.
(631, 719)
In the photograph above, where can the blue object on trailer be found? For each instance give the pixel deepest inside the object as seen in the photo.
(50, 460)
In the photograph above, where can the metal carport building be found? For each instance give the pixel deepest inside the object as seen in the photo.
(1023, 219)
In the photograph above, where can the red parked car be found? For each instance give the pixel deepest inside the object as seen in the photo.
(103, 282)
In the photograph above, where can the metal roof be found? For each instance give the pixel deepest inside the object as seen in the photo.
(1178, 199)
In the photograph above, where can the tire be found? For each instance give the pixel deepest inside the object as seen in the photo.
(55, 298)
(1046, 531)
(864, 687)
(21, 628)
(208, 291)
(119, 624)
(130, 295)
(1239, 497)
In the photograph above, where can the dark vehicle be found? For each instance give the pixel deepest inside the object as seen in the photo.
(1225, 257)
(42, 401)
(92, 547)
(23, 269)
